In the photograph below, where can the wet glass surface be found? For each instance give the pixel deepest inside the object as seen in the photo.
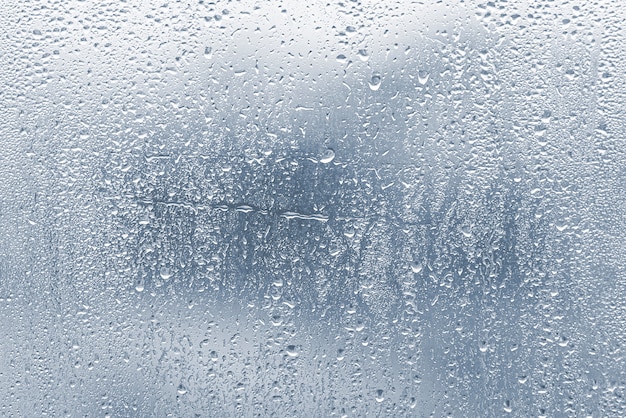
(351, 208)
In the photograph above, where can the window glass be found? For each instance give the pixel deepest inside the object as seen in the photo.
(345, 208)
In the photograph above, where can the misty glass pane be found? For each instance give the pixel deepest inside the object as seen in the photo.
(312, 208)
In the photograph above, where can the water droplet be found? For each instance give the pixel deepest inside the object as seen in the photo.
(375, 82)
(244, 208)
(540, 130)
(292, 351)
(363, 55)
(561, 225)
(328, 156)
(379, 396)
(341, 58)
(208, 52)
(507, 406)
(165, 273)
(423, 76)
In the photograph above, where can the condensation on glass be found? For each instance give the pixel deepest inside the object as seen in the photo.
(356, 208)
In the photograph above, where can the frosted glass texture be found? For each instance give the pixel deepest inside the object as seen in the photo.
(311, 208)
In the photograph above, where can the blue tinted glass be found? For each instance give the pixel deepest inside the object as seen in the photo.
(357, 208)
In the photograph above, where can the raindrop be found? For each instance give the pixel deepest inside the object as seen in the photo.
(165, 273)
(507, 406)
(540, 130)
(379, 395)
(423, 76)
(328, 156)
(375, 82)
(292, 351)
